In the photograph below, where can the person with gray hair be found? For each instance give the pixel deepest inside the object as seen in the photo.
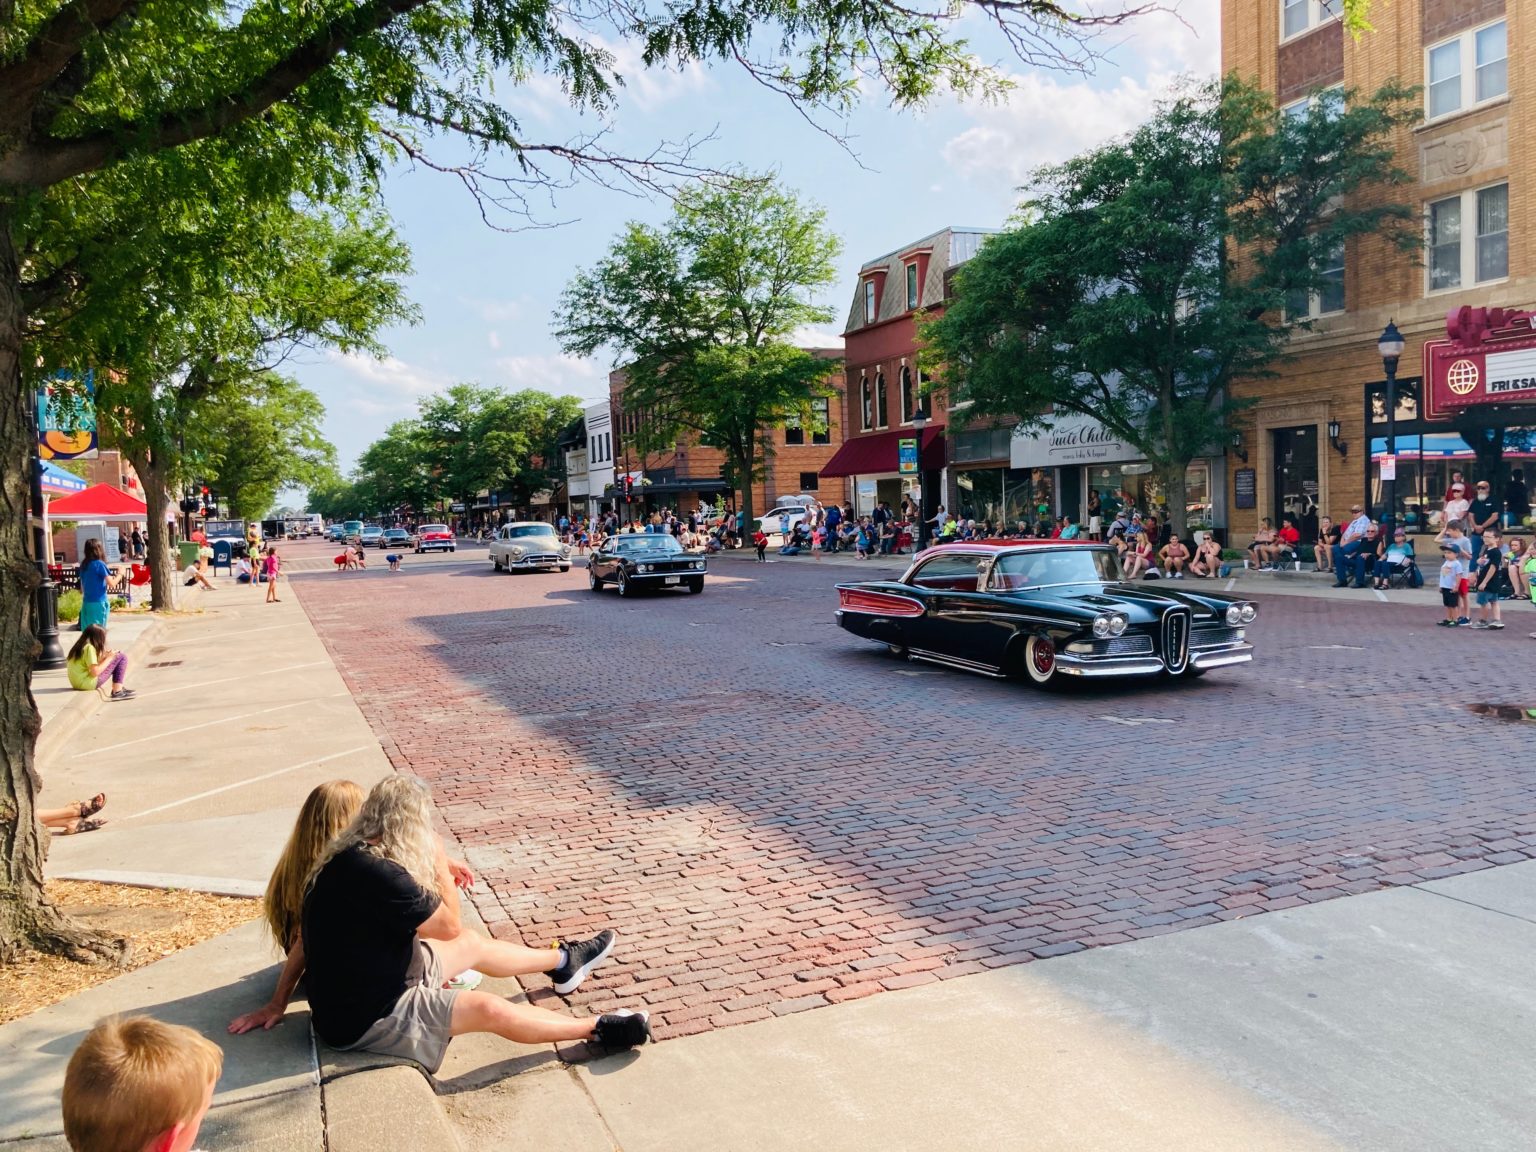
(382, 932)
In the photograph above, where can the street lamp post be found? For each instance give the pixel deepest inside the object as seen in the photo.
(45, 605)
(1390, 345)
(920, 538)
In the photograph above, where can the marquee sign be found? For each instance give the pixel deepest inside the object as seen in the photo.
(1488, 357)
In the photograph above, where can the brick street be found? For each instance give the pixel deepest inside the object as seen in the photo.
(776, 815)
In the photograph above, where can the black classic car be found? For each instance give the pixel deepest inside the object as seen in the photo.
(636, 561)
(1044, 610)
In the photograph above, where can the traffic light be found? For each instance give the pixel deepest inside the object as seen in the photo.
(629, 483)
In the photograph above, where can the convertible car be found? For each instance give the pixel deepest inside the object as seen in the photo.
(638, 560)
(1044, 610)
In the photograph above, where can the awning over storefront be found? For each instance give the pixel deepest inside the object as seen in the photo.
(879, 454)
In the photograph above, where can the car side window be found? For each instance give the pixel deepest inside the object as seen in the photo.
(953, 572)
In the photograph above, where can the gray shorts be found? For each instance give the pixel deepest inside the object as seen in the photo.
(421, 1023)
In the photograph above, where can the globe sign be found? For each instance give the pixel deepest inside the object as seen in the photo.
(1461, 377)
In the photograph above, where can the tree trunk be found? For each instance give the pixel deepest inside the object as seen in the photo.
(27, 919)
(748, 518)
(1178, 499)
(160, 556)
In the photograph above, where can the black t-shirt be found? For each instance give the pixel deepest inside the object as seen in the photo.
(1479, 512)
(1333, 533)
(360, 950)
(1486, 559)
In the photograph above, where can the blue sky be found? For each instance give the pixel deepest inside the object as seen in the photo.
(486, 296)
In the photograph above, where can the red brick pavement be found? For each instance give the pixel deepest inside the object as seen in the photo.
(776, 816)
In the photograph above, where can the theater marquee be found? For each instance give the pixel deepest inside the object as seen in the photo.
(1488, 357)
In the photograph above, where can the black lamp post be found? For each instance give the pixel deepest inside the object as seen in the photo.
(1390, 345)
(920, 538)
(45, 605)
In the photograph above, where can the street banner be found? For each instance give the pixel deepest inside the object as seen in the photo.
(906, 455)
(66, 417)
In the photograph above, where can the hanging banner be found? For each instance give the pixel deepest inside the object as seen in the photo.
(66, 418)
(906, 456)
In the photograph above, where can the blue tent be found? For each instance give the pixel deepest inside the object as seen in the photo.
(57, 482)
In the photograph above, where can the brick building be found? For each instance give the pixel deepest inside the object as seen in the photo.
(1316, 438)
(963, 466)
(691, 474)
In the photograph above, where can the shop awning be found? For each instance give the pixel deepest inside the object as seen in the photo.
(99, 502)
(880, 454)
(57, 482)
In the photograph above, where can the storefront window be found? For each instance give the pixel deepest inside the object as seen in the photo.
(1425, 461)
(1007, 497)
(1407, 401)
(1133, 488)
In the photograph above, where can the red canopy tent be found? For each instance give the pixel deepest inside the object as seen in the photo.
(99, 502)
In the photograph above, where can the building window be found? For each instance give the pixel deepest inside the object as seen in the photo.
(907, 396)
(793, 432)
(1305, 305)
(1297, 16)
(868, 417)
(809, 482)
(1330, 100)
(821, 416)
(1482, 249)
(869, 301)
(882, 412)
(1467, 70)
(911, 286)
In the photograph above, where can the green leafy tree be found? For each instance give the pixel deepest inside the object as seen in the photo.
(1144, 277)
(334, 498)
(323, 93)
(700, 312)
(394, 471)
(259, 438)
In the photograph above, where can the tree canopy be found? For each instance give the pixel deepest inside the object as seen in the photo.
(700, 313)
(1142, 278)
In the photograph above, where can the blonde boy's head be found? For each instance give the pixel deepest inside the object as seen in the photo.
(136, 1084)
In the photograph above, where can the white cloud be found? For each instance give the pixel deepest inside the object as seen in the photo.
(641, 88)
(390, 377)
(494, 340)
(1049, 117)
(554, 373)
(810, 337)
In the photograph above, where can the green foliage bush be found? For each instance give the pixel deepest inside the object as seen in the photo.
(69, 605)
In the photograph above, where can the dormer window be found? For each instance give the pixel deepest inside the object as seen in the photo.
(869, 302)
(912, 286)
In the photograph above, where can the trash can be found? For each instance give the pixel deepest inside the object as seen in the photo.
(188, 553)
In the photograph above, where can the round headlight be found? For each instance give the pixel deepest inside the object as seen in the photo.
(515, 553)
(698, 563)
(1118, 625)
(1249, 612)
(1102, 625)
(645, 568)
(1234, 614)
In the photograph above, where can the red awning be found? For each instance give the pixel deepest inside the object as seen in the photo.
(99, 502)
(879, 454)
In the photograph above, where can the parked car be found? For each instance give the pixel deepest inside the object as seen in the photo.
(352, 532)
(639, 560)
(334, 532)
(372, 537)
(434, 538)
(769, 523)
(398, 538)
(528, 545)
(1044, 611)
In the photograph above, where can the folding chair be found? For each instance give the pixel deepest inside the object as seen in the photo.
(138, 577)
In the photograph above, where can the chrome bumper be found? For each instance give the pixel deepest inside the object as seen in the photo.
(1090, 667)
(537, 562)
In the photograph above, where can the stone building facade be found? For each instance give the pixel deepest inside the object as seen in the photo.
(1470, 162)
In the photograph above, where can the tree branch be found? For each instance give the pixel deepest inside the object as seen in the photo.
(52, 48)
(43, 164)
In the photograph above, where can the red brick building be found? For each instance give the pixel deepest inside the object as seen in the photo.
(690, 474)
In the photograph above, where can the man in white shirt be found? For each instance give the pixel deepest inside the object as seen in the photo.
(1348, 547)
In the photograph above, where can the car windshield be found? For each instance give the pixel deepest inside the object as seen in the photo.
(646, 542)
(530, 530)
(1037, 568)
(397, 532)
(434, 528)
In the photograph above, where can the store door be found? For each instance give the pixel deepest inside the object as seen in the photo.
(1295, 484)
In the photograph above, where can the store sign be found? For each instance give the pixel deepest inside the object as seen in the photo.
(1245, 488)
(1491, 364)
(906, 456)
(66, 417)
(1071, 440)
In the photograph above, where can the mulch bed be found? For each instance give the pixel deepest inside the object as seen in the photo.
(157, 921)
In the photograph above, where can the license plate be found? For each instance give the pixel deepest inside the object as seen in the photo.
(673, 580)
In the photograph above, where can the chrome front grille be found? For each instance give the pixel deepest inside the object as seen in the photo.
(1122, 646)
(1176, 639)
(1214, 636)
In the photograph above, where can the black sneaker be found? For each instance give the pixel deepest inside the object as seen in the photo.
(581, 956)
(622, 1030)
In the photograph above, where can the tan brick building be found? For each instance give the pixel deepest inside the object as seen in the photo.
(1473, 162)
(690, 474)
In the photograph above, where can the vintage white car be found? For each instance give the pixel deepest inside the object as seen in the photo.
(527, 545)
